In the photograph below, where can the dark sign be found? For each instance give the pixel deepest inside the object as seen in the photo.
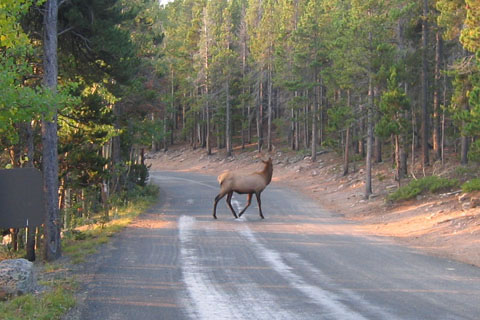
(21, 198)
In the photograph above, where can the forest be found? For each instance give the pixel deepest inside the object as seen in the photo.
(88, 87)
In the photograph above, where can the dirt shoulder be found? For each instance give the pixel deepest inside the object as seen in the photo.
(445, 225)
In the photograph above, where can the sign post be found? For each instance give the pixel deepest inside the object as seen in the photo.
(21, 198)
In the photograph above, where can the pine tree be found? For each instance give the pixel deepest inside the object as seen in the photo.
(49, 135)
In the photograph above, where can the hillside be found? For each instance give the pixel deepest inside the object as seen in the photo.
(445, 224)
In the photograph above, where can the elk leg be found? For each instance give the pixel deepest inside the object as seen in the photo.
(217, 198)
(259, 204)
(249, 200)
(229, 202)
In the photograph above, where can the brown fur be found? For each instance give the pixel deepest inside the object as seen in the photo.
(249, 184)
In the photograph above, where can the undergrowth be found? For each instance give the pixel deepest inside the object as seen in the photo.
(84, 241)
(47, 306)
(77, 244)
(430, 184)
(471, 185)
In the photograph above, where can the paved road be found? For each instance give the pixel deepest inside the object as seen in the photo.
(301, 262)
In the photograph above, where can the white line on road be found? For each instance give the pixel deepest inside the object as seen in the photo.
(205, 301)
(327, 300)
(208, 301)
(211, 302)
(348, 294)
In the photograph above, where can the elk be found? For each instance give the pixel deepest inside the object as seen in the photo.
(240, 183)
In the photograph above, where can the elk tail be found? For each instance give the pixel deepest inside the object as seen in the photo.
(222, 177)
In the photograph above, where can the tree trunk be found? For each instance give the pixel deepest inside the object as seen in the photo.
(194, 131)
(14, 236)
(463, 147)
(201, 130)
(207, 128)
(297, 130)
(260, 117)
(414, 137)
(243, 41)
(291, 131)
(207, 106)
(243, 127)
(436, 98)
(165, 131)
(292, 124)
(154, 143)
(269, 112)
(30, 248)
(444, 94)
(228, 130)
(347, 151)
(322, 104)
(184, 115)
(398, 171)
(173, 115)
(368, 165)
(314, 122)
(49, 135)
(368, 181)
(425, 129)
(306, 133)
(249, 117)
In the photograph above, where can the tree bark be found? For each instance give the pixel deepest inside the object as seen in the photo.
(260, 117)
(165, 131)
(297, 130)
(30, 248)
(306, 133)
(228, 133)
(314, 122)
(173, 113)
(347, 151)
(425, 125)
(269, 112)
(346, 155)
(436, 98)
(463, 147)
(368, 165)
(243, 45)
(207, 106)
(368, 178)
(49, 135)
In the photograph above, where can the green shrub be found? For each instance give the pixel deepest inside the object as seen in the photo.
(472, 185)
(138, 175)
(430, 184)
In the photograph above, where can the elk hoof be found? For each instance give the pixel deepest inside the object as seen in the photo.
(215, 217)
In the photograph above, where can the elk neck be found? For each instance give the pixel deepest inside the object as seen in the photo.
(267, 172)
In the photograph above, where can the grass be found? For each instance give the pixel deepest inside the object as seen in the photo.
(85, 241)
(60, 296)
(47, 306)
(7, 253)
(465, 171)
(430, 184)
